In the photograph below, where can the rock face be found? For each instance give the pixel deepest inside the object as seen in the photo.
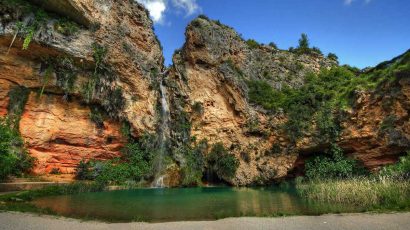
(55, 121)
(71, 92)
(209, 78)
(59, 134)
(367, 134)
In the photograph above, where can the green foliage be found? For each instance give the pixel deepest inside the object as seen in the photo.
(14, 159)
(83, 171)
(333, 165)
(327, 125)
(364, 192)
(66, 73)
(253, 127)
(55, 171)
(261, 93)
(99, 55)
(275, 149)
(194, 166)
(222, 163)
(273, 45)
(245, 155)
(135, 165)
(126, 129)
(96, 116)
(101, 84)
(303, 47)
(46, 78)
(66, 27)
(234, 67)
(204, 17)
(400, 170)
(316, 50)
(198, 108)
(28, 30)
(28, 37)
(252, 44)
(333, 57)
(317, 101)
(19, 5)
(18, 97)
(88, 88)
(388, 123)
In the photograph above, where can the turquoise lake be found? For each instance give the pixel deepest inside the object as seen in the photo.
(163, 205)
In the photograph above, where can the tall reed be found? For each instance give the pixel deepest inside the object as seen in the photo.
(363, 192)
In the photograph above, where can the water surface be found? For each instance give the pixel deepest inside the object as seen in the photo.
(162, 205)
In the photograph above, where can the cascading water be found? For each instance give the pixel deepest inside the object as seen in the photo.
(164, 135)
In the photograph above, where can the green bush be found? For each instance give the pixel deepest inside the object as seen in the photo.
(316, 50)
(333, 57)
(66, 27)
(194, 167)
(333, 165)
(14, 159)
(400, 170)
(135, 165)
(18, 97)
(273, 45)
(261, 93)
(252, 44)
(198, 108)
(83, 171)
(221, 162)
(388, 124)
(96, 116)
(303, 47)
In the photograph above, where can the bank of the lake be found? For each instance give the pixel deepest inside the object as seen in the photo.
(393, 221)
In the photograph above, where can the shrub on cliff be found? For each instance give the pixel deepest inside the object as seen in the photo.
(333, 165)
(303, 47)
(222, 163)
(333, 57)
(135, 165)
(252, 44)
(400, 170)
(194, 166)
(14, 159)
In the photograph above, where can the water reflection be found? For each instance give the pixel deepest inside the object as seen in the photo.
(158, 205)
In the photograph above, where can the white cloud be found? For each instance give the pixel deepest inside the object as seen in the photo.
(157, 8)
(349, 2)
(189, 6)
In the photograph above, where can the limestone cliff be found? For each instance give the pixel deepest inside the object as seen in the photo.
(209, 80)
(74, 76)
(83, 56)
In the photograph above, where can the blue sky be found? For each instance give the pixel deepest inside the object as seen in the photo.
(361, 32)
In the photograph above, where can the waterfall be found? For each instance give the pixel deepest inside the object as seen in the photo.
(163, 137)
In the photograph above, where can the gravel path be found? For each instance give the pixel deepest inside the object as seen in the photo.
(399, 221)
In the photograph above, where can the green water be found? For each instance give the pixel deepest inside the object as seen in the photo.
(162, 205)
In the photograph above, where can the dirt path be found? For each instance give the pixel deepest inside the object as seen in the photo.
(399, 221)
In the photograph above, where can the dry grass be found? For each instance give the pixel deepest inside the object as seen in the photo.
(363, 192)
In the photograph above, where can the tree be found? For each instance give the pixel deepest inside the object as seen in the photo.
(273, 45)
(14, 159)
(333, 57)
(303, 44)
